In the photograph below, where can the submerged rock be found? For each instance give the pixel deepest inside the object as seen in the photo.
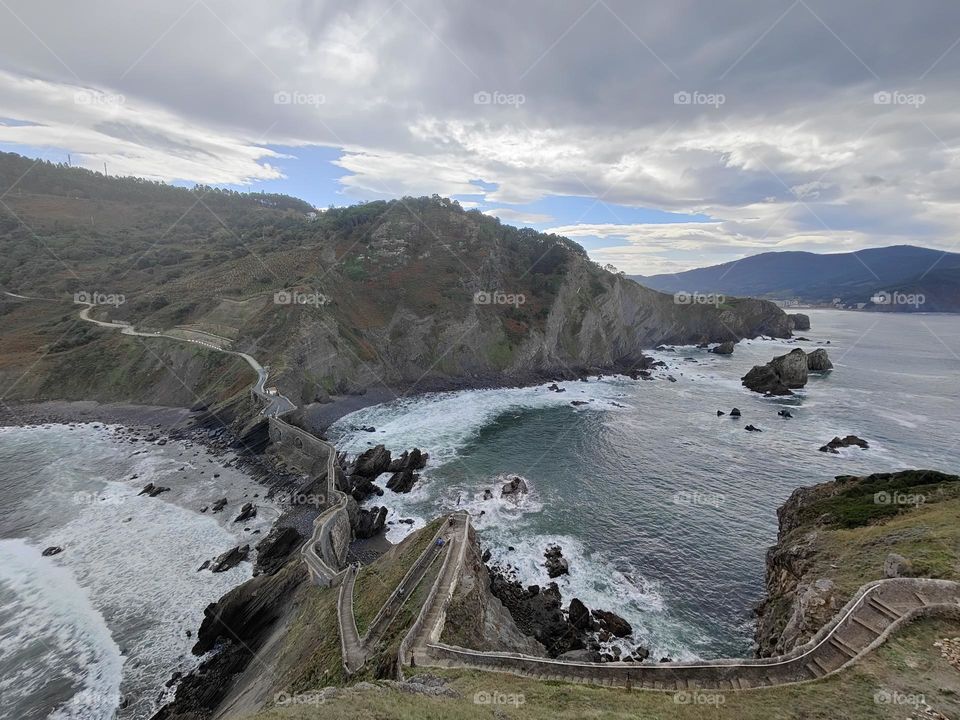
(52, 550)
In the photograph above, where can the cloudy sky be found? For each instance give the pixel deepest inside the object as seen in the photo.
(661, 135)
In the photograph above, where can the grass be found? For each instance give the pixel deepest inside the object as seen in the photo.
(311, 655)
(882, 496)
(906, 667)
(928, 535)
(376, 581)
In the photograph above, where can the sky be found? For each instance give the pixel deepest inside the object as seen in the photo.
(662, 136)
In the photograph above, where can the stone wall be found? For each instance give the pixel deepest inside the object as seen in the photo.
(300, 449)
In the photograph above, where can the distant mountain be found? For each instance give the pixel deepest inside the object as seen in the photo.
(900, 278)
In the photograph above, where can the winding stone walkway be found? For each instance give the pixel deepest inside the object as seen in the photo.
(876, 611)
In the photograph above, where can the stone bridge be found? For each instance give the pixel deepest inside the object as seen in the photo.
(325, 553)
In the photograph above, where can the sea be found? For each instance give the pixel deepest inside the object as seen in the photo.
(96, 631)
(664, 509)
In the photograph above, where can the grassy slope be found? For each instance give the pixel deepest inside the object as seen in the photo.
(908, 665)
(311, 656)
(859, 533)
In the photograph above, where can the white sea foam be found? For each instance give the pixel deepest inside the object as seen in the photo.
(53, 630)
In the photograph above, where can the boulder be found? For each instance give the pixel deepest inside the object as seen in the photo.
(751, 428)
(819, 361)
(517, 486)
(556, 563)
(372, 462)
(613, 623)
(799, 321)
(219, 505)
(720, 413)
(735, 412)
(724, 348)
(579, 615)
(370, 522)
(895, 566)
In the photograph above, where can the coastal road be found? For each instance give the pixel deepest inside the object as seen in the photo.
(274, 405)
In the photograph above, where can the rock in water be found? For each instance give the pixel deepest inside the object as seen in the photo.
(402, 482)
(720, 413)
(785, 413)
(363, 487)
(219, 505)
(52, 550)
(834, 445)
(799, 321)
(372, 462)
(230, 559)
(779, 376)
(735, 412)
(514, 488)
(751, 428)
(370, 522)
(819, 361)
(613, 623)
(556, 563)
(249, 510)
(579, 615)
(724, 348)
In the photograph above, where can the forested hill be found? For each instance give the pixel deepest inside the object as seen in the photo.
(407, 294)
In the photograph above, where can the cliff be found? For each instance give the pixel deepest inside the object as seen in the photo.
(838, 535)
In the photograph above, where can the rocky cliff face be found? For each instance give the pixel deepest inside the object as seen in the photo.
(838, 535)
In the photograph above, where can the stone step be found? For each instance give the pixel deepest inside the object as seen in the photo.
(865, 625)
(884, 609)
(842, 647)
(820, 664)
(813, 670)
